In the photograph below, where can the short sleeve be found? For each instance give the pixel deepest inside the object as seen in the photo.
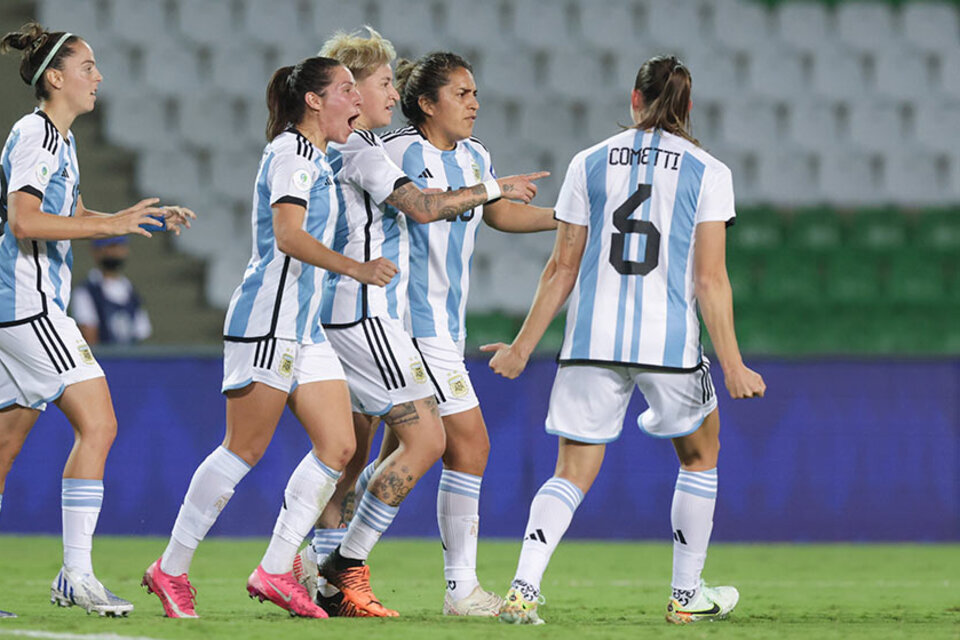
(367, 166)
(34, 159)
(716, 200)
(573, 205)
(291, 176)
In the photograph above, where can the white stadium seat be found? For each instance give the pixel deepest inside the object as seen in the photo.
(931, 26)
(742, 26)
(541, 24)
(815, 126)
(805, 25)
(866, 26)
(140, 122)
(474, 24)
(273, 21)
(938, 126)
(849, 179)
(335, 15)
(81, 17)
(778, 76)
(875, 126)
(172, 69)
(608, 25)
(902, 74)
(129, 20)
(787, 177)
(241, 70)
(209, 22)
(838, 74)
(915, 179)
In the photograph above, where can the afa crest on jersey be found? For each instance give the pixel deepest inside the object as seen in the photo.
(419, 373)
(458, 386)
(85, 353)
(477, 174)
(285, 368)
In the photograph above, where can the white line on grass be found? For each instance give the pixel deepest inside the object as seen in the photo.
(50, 635)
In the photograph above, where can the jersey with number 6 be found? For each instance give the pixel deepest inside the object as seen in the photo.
(641, 194)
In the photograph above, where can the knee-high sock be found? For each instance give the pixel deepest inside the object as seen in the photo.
(308, 492)
(326, 540)
(691, 517)
(458, 516)
(210, 489)
(551, 511)
(81, 501)
(371, 520)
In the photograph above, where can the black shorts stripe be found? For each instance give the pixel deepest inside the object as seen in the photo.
(53, 360)
(56, 335)
(383, 355)
(426, 366)
(256, 355)
(393, 358)
(373, 352)
(273, 350)
(52, 344)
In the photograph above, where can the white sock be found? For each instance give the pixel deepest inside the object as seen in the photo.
(324, 542)
(210, 489)
(551, 511)
(308, 491)
(81, 501)
(458, 515)
(370, 521)
(691, 517)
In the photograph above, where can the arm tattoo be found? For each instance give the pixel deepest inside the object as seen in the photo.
(437, 206)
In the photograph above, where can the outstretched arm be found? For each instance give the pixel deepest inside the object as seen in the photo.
(27, 221)
(514, 217)
(429, 207)
(556, 283)
(715, 298)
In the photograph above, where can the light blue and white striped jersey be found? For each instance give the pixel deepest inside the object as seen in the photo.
(641, 194)
(440, 252)
(35, 273)
(279, 296)
(366, 230)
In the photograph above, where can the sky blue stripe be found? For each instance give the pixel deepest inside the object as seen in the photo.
(708, 472)
(563, 497)
(365, 476)
(54, 198)
(330, 279)
(331, 473)
(94, 503)
(624, 279)
(698, 482)
(565, 485)
(9, 250)
(329, 535)
(391, 251)
(681, 236)
(265, 242)
(462, 479)
(470, 493)
(596, 170)
(454, 258)
(696, 491)
(467, 486)
(80, 483)
(642, 250)
(418, 287)
(317, 216)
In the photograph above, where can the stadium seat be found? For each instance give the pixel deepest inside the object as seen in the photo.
(939, 231)
(475, 24)
(542, 24)
(805, 26)
(816, 230)
(141, 123)
(511, 74)
(749, 124)
(172, 68)
(787, 177)
(931, 26)
(950, 74)
(742, 26)
(852, 277)
(209, 121)
(916, 179)
(674, 22)
(241, 71)
(779, 76)
(129, 20)
(82, 17)
(715, 76)
(206, 22)
(790, 277)
(838, 73)
(849, 178)
(541, 119)
(881, 231)
(267, 23)
(866, 26)
(607, 118)
(743, 271)
(814, 125)
(577, 75)
(609, 26)
(916, 278)
(235, 173)
(173, 175)
(874, 126)
(403, 24)
(937, 126)
(902, 74)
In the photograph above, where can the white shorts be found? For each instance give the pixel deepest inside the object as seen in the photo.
(448, 373)
(589, 402)
(383, 367)
(281, 364)
(41, 358)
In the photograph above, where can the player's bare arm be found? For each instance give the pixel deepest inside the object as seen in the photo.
(516, 217)
(426, 207)
(715, 297)
(28, 221)
(556, 282)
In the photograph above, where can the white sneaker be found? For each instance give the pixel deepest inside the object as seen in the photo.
(480, 603)
(710, 603)
(85, 591)
(305, 570)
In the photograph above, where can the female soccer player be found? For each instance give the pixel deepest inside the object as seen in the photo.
(385, 372)
(643, 219)
(275, 351)
(439, 99)
(43, 356)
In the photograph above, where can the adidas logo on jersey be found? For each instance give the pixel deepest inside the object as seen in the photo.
(64, 174)
(425, 174)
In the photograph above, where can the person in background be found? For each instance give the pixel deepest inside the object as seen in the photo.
(106, 306)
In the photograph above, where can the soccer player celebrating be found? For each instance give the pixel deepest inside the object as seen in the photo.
(44, 358)
(385, 372)
(275, 351)
(643, 219)
(437, 151)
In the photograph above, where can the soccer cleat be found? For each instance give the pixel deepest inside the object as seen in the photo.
(354, 585)
(85, 591)
(283, 590)
(305, 570)
(480, 603)
(176, 594)
(709, 603)
(520, 605)
(7, 614)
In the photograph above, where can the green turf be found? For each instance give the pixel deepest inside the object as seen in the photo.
(593, 590)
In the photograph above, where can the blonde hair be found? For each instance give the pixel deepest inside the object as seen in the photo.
(362, 55)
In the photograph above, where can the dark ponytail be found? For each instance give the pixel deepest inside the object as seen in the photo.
(36, 43)
(424, 77)
(665, 84)
(289, 85)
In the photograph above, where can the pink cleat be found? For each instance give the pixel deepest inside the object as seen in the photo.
(283, 590)
(175, 592)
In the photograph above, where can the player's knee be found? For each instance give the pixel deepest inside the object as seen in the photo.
(100, 434)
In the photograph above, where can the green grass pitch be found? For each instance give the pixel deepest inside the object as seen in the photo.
(593, 590)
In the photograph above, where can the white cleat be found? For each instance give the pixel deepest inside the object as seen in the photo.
(480, 603)
(710, 603)
(305, 570)
(85, 591)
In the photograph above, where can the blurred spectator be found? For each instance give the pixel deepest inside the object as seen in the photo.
(106, 306)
